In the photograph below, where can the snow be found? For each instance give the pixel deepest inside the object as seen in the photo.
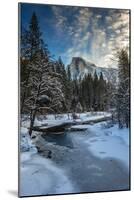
(77, 70)
(25, 141)
(122, 133)
(93, 116)
(80, 127)
(39, 175)
(42, 176)
(50, 119)
(106, 142)
(110, 143)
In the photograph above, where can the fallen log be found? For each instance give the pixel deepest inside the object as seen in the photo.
(53, 129)
(92, 121)
(60, 128)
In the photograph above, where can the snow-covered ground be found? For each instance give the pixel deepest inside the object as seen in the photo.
(39, 175)
(61, 118)
(112, 142)
(64, 173)
(108, 142)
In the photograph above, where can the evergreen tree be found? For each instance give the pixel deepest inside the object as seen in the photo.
(90, 92)
(32, 49)
(95, 87)
(101, 93)
(85, 93)
(123, 95)
(68, 74)
(75, 95)
(60, 69)
(34, 38)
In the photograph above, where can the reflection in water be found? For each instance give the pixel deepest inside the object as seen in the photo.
(60, 139)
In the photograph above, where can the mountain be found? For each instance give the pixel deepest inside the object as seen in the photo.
(80, 67)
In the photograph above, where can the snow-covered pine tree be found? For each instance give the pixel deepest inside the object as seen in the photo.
(123, 95)
(69, 90)
(41, 88)
(46, 90)
(60, 68)
(31, 45)
(79, 107)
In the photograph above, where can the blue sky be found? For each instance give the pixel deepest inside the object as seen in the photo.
(92, 33)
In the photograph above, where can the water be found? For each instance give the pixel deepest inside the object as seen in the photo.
(60, 139)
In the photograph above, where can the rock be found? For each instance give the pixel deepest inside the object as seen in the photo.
(49, 154)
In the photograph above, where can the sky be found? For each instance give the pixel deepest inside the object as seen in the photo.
(94, 34)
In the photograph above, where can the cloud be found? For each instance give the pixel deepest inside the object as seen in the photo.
(92, 34)
(107, 39)
(60, 20)
(79, 32)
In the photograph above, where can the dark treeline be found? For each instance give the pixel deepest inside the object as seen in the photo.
(92, 93)
(47, 87)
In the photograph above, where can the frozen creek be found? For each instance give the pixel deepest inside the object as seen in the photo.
(87, 172)
(83, 161)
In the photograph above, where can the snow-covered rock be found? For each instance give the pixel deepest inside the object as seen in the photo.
(80, 67)
(25, 141)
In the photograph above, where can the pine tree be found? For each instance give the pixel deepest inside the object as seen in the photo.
(90, 91)
(34, 36)
(75, 95)
(68, 74)
(60, 69)
(101, 93)
(123, 95)
(95, 87)
(41, 88)
(85, 92)
(32, 49)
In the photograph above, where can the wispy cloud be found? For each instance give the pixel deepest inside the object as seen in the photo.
(93, 35)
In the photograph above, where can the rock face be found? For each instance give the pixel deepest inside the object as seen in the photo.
(79, 68)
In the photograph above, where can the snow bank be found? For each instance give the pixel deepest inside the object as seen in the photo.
(94, 115)
(107, 147)
(110, 143)
(25, 141)
(84, 126)
(40, 176)
(105, 142)
(122, 133)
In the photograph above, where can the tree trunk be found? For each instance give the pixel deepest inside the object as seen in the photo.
(32, 119)
(24, 95)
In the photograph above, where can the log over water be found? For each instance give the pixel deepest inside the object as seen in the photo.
(60, 128)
